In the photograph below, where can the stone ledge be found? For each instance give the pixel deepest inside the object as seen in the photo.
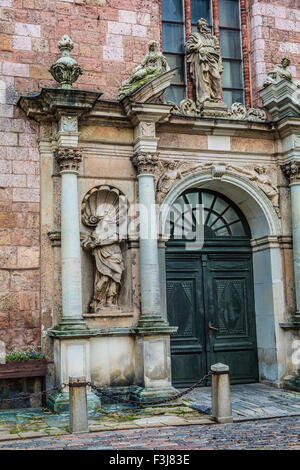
(111, 314)
(155, 330)
(90, 333)
(51, 102)
(292, 325)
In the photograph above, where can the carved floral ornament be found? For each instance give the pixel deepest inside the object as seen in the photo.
(145, 163)
(169, 171)
(237, 111)
(68, 158)
(292, 171)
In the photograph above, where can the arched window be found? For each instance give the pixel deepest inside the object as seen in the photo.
(222, 219)
(179, 18)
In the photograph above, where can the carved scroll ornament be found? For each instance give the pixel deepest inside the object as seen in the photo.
(169, 171)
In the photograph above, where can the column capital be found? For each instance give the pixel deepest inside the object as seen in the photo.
(145, 163)
(68, 158)
(292, 171)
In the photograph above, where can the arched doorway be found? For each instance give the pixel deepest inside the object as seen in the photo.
(210, 293)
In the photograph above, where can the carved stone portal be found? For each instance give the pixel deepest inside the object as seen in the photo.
(105, 209)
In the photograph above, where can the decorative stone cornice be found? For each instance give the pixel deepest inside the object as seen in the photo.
(52, 103)
(209, 109)
(145, 163)
(292, 171)
(68, 158)
(281, 99)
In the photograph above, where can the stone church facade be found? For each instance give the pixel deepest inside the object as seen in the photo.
(154, 315)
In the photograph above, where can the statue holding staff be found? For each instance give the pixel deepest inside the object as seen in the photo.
(203, 55)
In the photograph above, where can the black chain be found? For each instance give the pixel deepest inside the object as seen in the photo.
(147, 403)
(35, 394)
(108, 395)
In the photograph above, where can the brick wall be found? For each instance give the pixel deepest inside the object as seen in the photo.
(275, 33)
(110, 39)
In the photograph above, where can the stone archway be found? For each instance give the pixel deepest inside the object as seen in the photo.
(267, 267)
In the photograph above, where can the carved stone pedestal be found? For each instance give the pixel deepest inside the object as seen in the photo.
(281, 99)
(155, 362)
(211, 109)
(71, 356)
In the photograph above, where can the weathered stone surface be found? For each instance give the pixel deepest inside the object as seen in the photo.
(203, 54)
(102, 208)
(153, 65)
(66, 70)
(279, 73)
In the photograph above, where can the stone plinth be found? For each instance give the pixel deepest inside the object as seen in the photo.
(281, 99)
(211, 109)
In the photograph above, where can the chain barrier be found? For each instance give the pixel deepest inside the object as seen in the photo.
(35, 394)
(149, 403)
(109, 395)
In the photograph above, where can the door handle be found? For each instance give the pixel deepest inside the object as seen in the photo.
(211, 327)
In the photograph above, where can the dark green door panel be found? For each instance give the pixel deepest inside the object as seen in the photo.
(213, 289)
(185, 310)
(210, 293)
(229, 306)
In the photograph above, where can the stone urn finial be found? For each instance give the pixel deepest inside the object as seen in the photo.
(66, 70)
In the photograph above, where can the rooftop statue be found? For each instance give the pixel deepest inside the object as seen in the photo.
(203, 54)
(153, 65)
(279, 73)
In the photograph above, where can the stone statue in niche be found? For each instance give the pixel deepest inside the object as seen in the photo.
(279, 73)
(153, 65)
(101, 209)
(203, 55)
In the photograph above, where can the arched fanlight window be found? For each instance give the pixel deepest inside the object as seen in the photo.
(221, 217)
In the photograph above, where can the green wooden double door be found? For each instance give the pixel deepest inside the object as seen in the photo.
(210, 298)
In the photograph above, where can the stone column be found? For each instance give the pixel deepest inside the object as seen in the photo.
(292, 171)
(153, 342)
(145, 165)
(69, 159)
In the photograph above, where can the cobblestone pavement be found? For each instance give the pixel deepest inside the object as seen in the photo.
(251, 401)
(271, 434)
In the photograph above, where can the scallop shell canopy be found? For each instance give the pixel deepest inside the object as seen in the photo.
(103, 200)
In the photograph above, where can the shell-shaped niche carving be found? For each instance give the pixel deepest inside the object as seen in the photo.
(105, 209)
(103, 200)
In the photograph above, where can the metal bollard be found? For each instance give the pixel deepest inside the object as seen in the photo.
(78, 421)
(221, 394)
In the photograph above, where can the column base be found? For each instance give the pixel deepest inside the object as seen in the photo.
(296, 318)
(224, 420)
(292, 323)
(71, 324)
(154, 325)
(58, 402)
(292, 383)
(144, 395)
